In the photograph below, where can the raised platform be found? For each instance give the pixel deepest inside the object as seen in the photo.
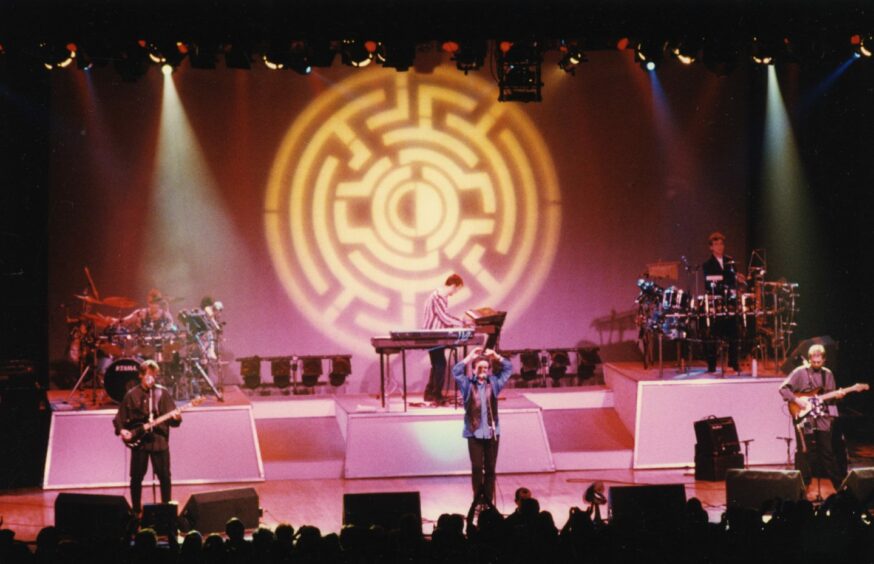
(661, 412)
(215, 444)
(636, 421)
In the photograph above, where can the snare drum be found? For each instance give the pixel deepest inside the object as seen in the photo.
(121, 376)
(116, 341)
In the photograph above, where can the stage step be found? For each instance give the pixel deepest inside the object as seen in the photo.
(301, 447)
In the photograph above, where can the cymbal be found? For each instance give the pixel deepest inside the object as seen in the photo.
(173, 300)
(119, 302)
(111, 301)
(100, 321)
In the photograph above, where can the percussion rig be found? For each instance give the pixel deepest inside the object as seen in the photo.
(763, 310)
(110, 352)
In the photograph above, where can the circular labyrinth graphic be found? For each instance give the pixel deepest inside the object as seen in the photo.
(388, 182)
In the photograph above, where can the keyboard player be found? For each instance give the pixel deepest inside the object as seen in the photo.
(437, 316)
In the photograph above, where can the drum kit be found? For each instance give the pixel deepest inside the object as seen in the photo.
(764, 312)
(111, 351)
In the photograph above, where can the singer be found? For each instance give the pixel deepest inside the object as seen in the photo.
(143, 403)
(482, 430)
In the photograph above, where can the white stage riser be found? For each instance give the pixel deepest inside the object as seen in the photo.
(213, 445)
(664, 412)
(392, 445)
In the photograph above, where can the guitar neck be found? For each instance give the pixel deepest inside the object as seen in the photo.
(152, 424)
(843, 391)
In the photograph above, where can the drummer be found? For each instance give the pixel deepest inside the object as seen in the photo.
(721, 279)
(153, 318)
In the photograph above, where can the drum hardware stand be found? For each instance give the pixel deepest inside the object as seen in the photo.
(92, 367)
(201, 372)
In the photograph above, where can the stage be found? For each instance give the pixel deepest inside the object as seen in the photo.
(637, 420)
(301, 453)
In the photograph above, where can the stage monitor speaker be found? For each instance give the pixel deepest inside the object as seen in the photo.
(860, 483)
(385, 509)
(208, 512)
(161, 517)
(751, 489)
(92, 515)
(716, 436)
(649, 508)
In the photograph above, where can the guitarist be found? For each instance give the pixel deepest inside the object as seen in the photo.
(143, 403)
(814, 433)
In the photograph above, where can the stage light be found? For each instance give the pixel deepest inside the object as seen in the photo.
(559, 362)
(356, 53)
(398, 54)
(312, 369)
(341, 367)
(468, 55)
(274, 59)
(587, 359)
(57, 56)
(450, 47)
(167, 52)
(649, 54)
(862, 45)
(686, 51)
(250, 370)
(297, 58)
(167, 69)
(202, 54)
(572, 56)
(530, 364)
(518, 66)
(762, 52)
(280, 369)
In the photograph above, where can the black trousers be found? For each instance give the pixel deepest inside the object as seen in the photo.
(434, 389)
(483, 458)
(819, 447)
(139, 463)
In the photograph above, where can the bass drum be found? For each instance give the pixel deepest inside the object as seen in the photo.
(121, 376)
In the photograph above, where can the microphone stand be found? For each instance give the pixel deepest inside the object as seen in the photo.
(151, 420)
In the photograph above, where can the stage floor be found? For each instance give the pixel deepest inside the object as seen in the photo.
(303, 446)
(319, 502)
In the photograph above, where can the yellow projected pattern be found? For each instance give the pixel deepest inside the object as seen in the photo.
(388, 182)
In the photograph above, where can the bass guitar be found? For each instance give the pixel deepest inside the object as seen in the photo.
(816, 403)
(139, 430)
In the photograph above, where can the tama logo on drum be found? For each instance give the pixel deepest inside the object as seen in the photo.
(127, 368)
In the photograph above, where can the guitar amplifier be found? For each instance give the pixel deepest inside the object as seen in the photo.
(716, 436)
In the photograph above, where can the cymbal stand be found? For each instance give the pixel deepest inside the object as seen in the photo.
(92, 367)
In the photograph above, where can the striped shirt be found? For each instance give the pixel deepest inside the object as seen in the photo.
(437, 314)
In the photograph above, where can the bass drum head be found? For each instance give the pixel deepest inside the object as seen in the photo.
(121, 376)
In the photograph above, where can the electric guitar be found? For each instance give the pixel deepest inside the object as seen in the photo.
(140, 429)
(816, 403)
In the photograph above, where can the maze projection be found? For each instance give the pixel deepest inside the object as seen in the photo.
(386, 183)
